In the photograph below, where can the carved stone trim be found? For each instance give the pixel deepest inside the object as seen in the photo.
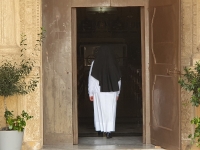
(30, 23)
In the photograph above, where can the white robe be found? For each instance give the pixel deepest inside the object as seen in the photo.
(104, 105)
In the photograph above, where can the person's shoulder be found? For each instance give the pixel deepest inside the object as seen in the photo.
(92, 63)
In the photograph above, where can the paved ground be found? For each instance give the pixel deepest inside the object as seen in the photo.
(102, 143)
(125, 127)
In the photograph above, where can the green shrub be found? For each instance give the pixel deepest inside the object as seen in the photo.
(15, 79)
(191, 82)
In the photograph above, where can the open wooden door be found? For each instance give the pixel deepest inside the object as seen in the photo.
(164, 66)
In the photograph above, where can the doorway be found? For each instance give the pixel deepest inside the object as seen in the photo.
(60, 67)
(121, 27)
(144, 71)
(155, 22)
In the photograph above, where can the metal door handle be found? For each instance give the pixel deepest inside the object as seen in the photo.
(173, 71)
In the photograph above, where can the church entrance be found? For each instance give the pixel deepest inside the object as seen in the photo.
(121, 27)
(148, 53)
(147, 37)
(127, 29)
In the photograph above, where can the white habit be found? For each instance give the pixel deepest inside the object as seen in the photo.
(104, 105)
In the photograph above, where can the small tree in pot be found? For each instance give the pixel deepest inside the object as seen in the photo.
(14, 81)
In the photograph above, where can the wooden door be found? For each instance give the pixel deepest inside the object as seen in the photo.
(164, 65)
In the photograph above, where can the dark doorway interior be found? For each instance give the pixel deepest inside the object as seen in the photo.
(120, 27)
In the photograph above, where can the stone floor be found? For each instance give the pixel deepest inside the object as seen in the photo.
(124, 127)
(102, 143)
(128, 136)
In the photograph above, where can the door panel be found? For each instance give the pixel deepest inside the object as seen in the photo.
(164, 63)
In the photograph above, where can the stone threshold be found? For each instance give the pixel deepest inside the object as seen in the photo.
(102, 143)
(103, 147)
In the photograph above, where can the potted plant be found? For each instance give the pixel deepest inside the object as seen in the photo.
(190, 81)
(14, 81)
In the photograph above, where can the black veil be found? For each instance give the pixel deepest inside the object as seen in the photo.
(106, 69)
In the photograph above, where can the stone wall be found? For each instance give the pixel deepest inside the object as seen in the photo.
(190, 35)
(57, 72)
(16, 17)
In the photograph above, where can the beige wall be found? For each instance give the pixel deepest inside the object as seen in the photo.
(190, 42)
(16, 17)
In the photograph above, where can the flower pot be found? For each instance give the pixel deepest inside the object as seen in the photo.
(11, 140)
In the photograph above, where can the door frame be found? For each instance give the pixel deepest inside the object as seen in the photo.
(145, 61)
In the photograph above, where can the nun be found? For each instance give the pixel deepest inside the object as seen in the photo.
(104, 83)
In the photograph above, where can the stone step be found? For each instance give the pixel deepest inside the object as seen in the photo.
(102, 143)
(98, 148)
(103, 147)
